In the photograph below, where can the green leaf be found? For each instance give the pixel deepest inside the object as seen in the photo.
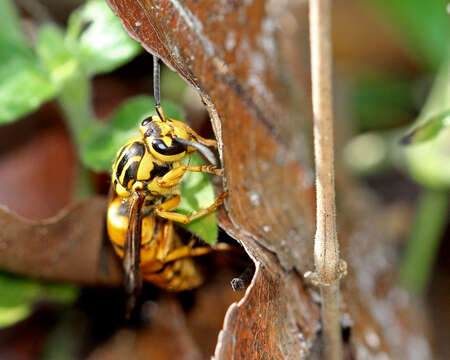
(23, 84)
(424, 25)
(18, 295)
(435, 113)
(103, 45)
(55, 56)
(10, 27)
(100, 151)
(11, 315)
(429, 161)
(431, 128)
(197, 193)
(132, 112)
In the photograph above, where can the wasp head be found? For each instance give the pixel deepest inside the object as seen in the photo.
(168, 140)
(160, 138)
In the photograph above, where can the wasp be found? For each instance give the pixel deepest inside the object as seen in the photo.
(144, 194)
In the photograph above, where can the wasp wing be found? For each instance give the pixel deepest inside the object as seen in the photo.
(132, 247)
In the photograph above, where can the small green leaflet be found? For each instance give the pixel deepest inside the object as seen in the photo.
(18, 295)
(55, 57)
(431, 128)
(24, 86)
(24, 82)
(98, 38)
(428, 145)
(95, 41)
(197, 193)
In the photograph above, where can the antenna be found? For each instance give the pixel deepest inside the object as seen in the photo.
(156, 87)
(156, 80)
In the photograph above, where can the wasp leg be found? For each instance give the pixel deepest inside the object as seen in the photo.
(132, 246)
(209, 169)
(187, 251)
(174, 176)
(167, 243)
(161, 210)
(170, 251)
(197, 137)
(171, 203)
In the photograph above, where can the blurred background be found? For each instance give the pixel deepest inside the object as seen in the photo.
(392, 97)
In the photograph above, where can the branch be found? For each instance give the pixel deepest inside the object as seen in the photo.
(326, 246)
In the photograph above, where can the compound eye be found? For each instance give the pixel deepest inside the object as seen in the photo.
(152, 129)
(160, 147)
(146, 121)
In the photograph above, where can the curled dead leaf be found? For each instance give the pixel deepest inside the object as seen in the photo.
(65, 248)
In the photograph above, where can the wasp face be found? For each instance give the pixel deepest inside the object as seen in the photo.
(150, 127)
(161, 139)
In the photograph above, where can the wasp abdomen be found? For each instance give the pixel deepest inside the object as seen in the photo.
(177, 276)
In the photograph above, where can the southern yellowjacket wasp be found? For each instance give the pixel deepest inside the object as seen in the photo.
(144, 194)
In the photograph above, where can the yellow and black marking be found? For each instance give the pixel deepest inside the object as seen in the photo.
(128, 163)
(151, 162)
(144, 194)
(134, 164)
(145, 178)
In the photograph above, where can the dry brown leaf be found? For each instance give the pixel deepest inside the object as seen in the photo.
(37, 175)
(65, 248)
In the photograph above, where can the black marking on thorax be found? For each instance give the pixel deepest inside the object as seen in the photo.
(131, 173)
(134, 149)
(159, 170)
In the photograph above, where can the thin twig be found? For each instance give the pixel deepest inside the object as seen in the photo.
(326, 247)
